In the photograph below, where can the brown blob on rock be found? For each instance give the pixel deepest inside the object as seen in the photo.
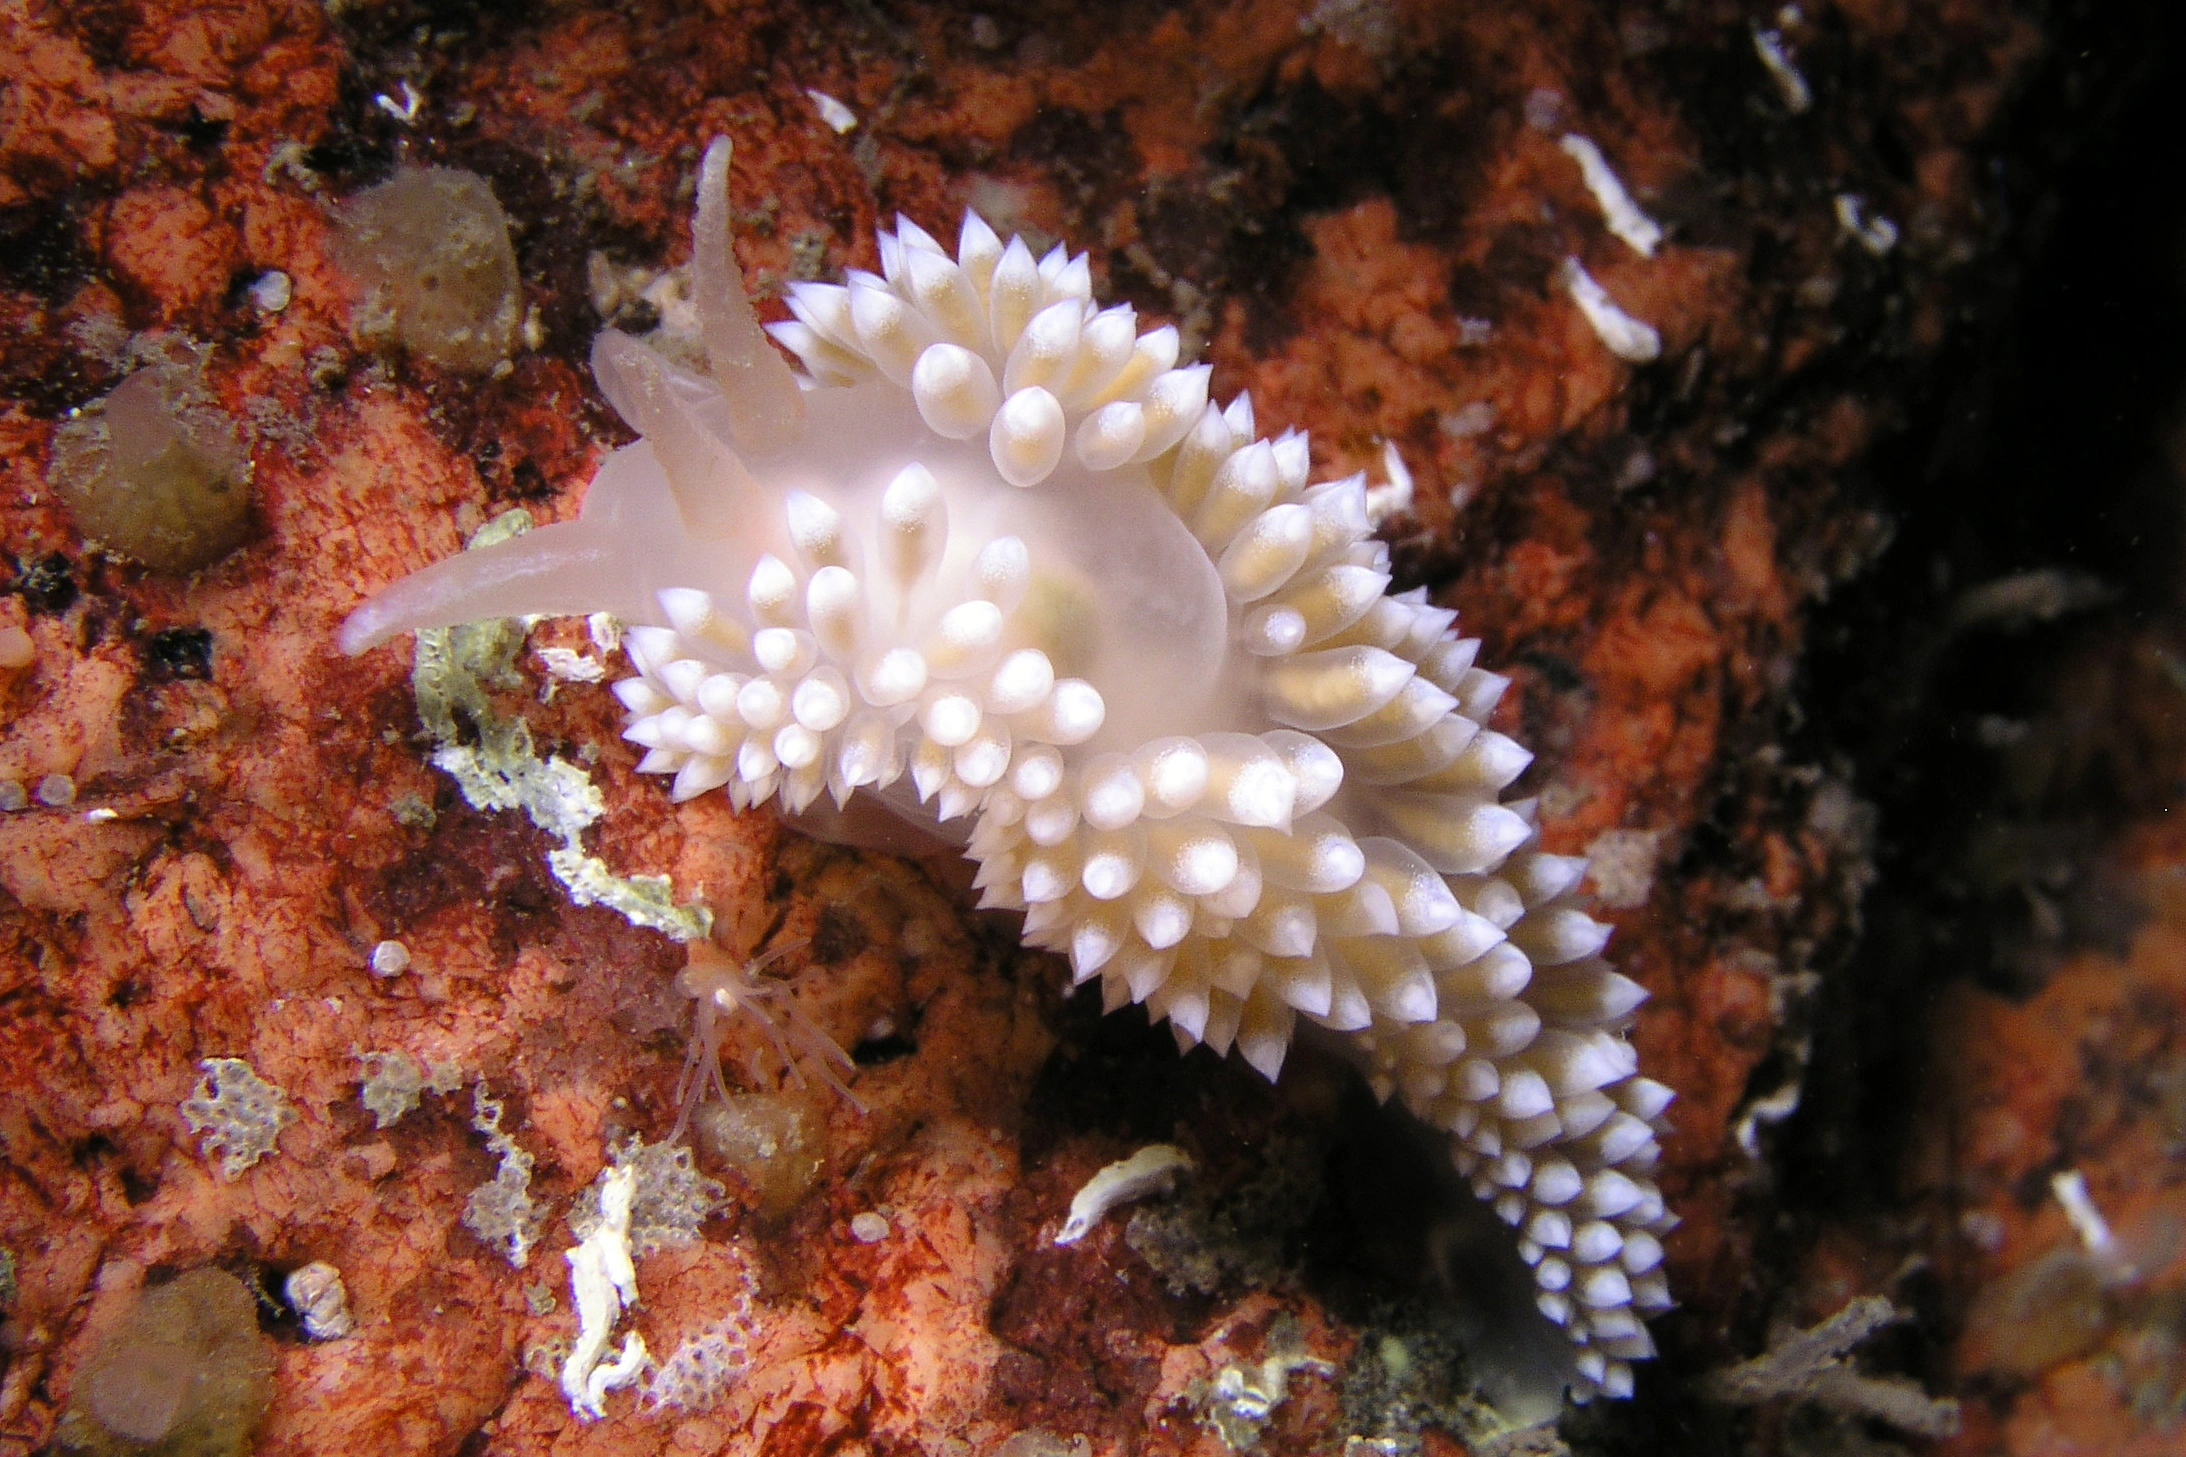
(155, 471)
(431, 248)
(771, 1143)
(185, 1374)
(2042, 1315)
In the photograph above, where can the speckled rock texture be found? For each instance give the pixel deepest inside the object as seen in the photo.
(1360, 211)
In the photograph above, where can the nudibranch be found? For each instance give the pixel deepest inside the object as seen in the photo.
(994, 562)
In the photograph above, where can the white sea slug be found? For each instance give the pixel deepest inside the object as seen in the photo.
(994, 561)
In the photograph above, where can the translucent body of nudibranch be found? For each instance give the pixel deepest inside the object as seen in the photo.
(996, 559)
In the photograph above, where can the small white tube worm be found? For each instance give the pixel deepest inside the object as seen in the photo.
(1631, 340)
(1641, 233)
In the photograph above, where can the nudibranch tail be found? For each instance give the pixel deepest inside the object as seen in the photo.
(1018, 569)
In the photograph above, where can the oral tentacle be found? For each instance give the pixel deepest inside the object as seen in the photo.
(765, 404)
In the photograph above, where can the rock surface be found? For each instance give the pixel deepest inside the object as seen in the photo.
(1361, 211)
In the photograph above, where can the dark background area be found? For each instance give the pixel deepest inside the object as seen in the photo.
(1985, 681)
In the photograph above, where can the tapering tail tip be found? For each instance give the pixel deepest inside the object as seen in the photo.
(363, 630)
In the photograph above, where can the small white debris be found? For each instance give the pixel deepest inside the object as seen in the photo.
(1630, 339)
(1766, 1112)
(2079, 1206)
(1394, 498)
(405, 110)
(1813, 1367)
(100, 816)
(272, 292)
(56, 791)
(1544, 109)
(570, 666)
(1769, 46)
(1364, 25)
(1473, 333)
(1467, 421)
(1152, 1170)
(605, 630)
(1623, 216)
(1983, 1230)
(390, 958)
(839, 117)
(1639, 468)
(1874, 232)
(869, 1228)
(603, 1284)
(1622, 863)
(2013, 603)
(1240, 1399)
(320, 1300)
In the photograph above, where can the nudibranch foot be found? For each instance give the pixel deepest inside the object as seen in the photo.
(995, 559)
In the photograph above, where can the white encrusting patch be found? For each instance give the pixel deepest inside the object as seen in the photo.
(1000, 559)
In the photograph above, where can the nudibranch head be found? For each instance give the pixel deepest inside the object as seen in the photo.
(996, 558)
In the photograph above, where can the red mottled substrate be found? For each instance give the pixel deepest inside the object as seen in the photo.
(1368, 239)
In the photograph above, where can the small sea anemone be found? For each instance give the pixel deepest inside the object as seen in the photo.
(724, 989)
(996, 559)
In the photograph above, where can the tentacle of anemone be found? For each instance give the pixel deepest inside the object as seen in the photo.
(1007, 559)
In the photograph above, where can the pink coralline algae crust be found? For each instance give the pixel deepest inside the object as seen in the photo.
(243, 837)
